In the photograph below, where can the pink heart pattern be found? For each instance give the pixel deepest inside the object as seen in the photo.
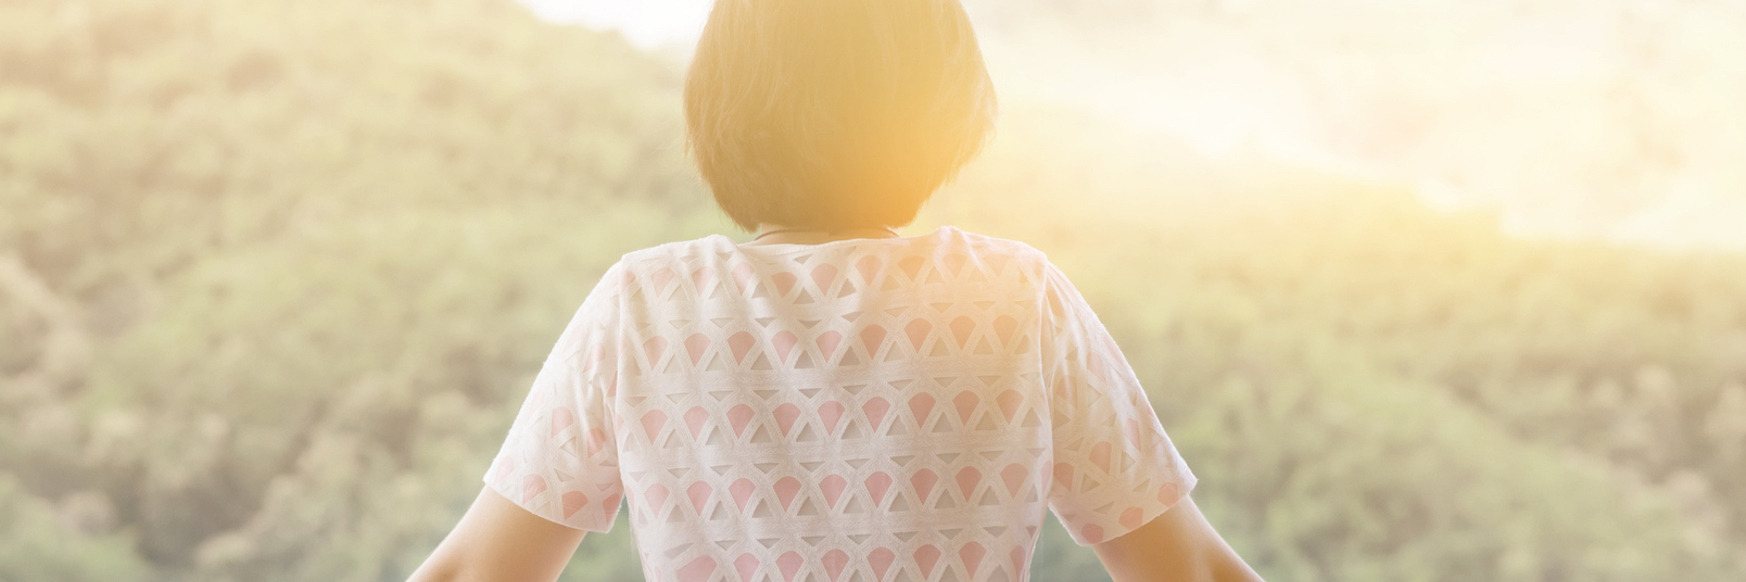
(779, 413)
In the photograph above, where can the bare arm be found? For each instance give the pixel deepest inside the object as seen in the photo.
(497, 540)
(1177, 546)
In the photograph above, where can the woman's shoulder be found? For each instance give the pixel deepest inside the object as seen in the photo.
(986, 244)
(719, 250)
(684, 251)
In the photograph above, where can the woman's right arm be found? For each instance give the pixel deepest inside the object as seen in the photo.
(1177, 546)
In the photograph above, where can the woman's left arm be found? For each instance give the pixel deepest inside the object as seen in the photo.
(498, 540)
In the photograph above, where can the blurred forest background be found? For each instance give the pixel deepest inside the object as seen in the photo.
(274, 275)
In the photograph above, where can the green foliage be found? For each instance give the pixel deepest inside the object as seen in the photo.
(36, 543)
(274, 274)
(314, 253)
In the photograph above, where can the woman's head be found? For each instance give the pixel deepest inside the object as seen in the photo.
(835, 113)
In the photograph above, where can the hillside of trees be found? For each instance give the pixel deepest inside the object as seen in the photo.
(274, 275)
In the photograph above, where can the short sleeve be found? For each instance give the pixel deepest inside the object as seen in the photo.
(560, 460)
(1114, 467)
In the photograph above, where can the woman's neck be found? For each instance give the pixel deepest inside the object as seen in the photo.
(779, 234)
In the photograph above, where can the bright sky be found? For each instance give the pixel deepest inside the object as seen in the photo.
(1610, 118)
(649, 24)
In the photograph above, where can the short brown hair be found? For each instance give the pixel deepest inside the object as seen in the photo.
(835, 113)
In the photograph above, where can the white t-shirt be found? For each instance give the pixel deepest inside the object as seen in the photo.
(873, 410)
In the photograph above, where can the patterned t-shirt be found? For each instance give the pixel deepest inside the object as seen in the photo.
(862, 410)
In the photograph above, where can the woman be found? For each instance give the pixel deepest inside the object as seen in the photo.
(830, 401)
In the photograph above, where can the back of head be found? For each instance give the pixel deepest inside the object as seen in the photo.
(835, 113)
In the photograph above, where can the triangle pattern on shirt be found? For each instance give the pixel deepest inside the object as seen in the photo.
(829, 414)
